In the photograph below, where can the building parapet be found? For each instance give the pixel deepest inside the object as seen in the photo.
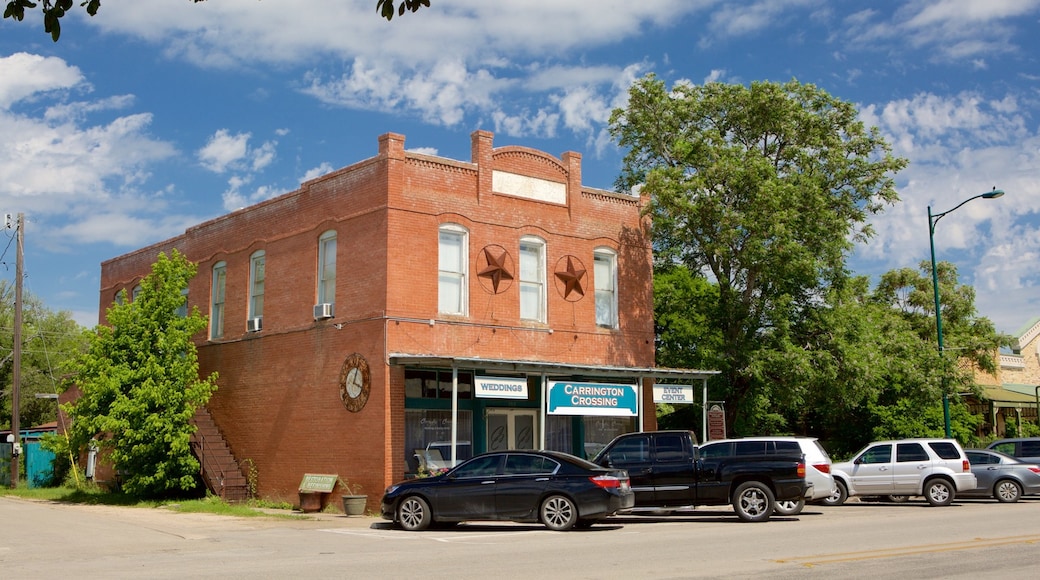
(1012, 361)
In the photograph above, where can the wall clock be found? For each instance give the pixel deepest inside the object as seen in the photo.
(355, 381)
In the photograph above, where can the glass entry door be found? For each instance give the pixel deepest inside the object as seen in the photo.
(511, 429)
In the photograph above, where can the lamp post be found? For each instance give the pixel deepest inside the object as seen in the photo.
(932, 220)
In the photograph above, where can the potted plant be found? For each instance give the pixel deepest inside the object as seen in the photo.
(353, 499)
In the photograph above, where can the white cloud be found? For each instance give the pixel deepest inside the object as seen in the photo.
(316, 172)
(123, 228)
(223, 150)
(424, 150)
(25, 75)
(952, 30)
(960, 146)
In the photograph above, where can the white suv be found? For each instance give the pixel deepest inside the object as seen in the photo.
(934, 468)
(817, 465)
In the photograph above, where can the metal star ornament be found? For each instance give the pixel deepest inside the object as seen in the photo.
(571, 275)
(497, 269)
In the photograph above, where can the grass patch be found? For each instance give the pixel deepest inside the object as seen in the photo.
(93, 495)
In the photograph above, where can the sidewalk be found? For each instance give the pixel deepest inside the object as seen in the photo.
(336, 519)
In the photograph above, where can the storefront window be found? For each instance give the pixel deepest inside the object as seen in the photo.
(558, 433)
(431, 384)
(601, 430)
(427, 437)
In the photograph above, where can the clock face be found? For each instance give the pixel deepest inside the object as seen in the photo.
(355, 380)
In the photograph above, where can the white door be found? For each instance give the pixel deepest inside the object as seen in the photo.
(511, 429)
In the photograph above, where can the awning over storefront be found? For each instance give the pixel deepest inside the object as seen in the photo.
(549, 368)
(556, 372)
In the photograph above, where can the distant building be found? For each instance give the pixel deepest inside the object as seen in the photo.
(363, 323)
(1012, 393)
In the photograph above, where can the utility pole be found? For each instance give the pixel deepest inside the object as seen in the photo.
(16, 349)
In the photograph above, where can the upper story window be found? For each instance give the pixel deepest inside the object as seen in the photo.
(216, 313)
(452, 261)
(604, 273)
(532, 279)
(182, 310)
(257, 263)
(327, 268)
(135, 292)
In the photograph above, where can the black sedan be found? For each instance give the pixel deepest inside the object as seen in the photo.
(560, 490)
(1001, 476)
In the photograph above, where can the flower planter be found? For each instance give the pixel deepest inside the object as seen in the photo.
(354, 505)
(311, 501)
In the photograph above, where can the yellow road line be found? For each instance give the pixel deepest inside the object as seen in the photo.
(841, 557)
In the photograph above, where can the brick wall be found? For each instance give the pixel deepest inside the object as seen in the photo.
(278, 401)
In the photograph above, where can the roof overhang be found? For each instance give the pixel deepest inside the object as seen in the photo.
(1001, 397)
(549, 368)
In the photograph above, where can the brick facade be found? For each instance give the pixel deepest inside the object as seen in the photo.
(278, 401)
(1011, 393)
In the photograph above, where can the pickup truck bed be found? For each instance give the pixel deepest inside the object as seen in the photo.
(668, 473)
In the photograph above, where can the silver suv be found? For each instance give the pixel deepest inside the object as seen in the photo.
(817, 465)
(934, 468)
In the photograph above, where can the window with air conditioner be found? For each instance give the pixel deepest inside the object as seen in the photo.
(326, 270)
(257, 263)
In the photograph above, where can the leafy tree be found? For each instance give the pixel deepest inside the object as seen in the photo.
(386, 7)
(55, 10)
(762, 190)
(868, 367)
(48, 339)
(685, 337)
(139, 384)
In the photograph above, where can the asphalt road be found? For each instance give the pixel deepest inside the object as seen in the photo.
(969, 539)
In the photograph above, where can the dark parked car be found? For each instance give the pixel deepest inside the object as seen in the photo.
(1001, 476)
(560, 490)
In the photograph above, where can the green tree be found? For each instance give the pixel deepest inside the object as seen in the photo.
(55, 10)
(867, 365)
(139, 384)
(48, 339)
(762, 189)
(685, 336)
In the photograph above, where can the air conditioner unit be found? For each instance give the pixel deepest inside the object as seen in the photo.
(254, 324)
(323, 311)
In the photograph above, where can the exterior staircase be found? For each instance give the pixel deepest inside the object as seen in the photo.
(220, 470)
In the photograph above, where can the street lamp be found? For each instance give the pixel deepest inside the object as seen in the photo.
(932, 220)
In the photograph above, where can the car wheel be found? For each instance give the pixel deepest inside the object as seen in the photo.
(1007, 491)
(559, 513)
(841, 493)
(413, 514)
(791, 507)
(898, 498)
(939, 492)
(753, 501)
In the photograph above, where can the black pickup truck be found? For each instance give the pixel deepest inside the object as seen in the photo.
(668, 473)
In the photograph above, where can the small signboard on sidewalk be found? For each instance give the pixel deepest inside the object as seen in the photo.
(319, 482)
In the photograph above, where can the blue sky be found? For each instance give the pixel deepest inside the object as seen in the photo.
(154, 116)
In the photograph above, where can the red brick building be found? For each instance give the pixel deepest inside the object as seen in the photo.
(367, 320)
